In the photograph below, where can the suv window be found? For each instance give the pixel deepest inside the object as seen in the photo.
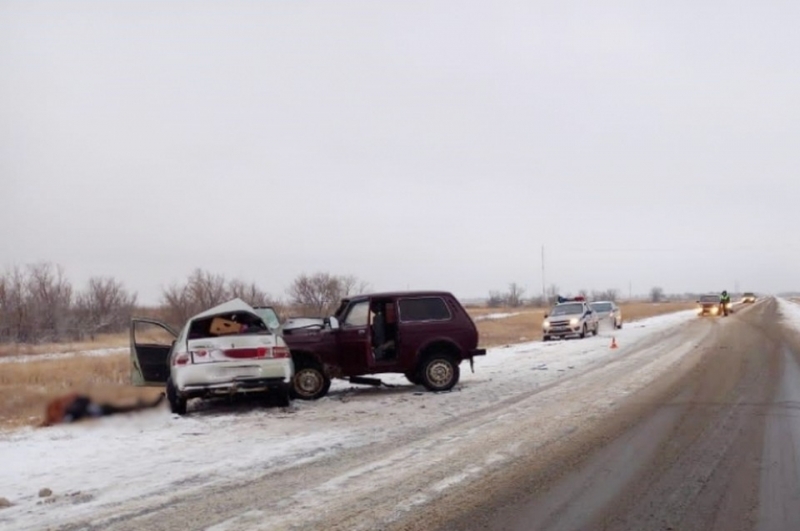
(357, 316)
(423, 309)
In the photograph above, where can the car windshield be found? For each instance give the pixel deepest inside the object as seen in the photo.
(567, 309)
(709, 298)
(601, 306)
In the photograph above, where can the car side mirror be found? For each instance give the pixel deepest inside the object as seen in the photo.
(334, 323)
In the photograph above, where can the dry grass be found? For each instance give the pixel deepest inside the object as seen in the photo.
(527, 325)
(100, 341)
(25, 387)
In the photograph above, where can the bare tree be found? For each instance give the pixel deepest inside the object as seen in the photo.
(204, 290)
(249, 293)
(319, 294)
(552, 293)
(49, 301)
(105, 306)
(351, 285)
(496, 299)
(610, 294)
(514, 295)
(656, 294)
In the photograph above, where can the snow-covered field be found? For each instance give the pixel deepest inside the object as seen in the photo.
(62, 355)
(107, 466)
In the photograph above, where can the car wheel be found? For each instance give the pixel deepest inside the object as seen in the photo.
(177, 403)
(583, 331)
(439, 373)
(310, 383)
(546, 338)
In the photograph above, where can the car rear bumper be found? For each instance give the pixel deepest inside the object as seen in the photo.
(240, 386)
(231, 377)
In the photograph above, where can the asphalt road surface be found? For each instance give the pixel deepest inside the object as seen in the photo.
(716, 446)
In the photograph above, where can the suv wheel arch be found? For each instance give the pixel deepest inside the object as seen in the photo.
(310, 381)
(438, 366)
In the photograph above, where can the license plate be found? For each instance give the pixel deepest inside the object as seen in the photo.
(240, 372)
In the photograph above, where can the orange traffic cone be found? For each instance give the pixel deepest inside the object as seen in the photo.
(614, 342)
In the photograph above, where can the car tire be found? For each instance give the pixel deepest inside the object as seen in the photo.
(310, 383)
(439, 372)
(584, 331)
(596, 329)
(545, 338)
(177, 403)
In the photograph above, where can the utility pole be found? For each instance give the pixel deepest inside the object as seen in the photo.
(544, 290)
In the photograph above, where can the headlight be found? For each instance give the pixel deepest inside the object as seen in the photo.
(714, 310)
(573, 322)
(546, 324)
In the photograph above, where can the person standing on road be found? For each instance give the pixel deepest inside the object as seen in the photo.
(724, 301)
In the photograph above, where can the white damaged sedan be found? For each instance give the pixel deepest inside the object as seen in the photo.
(226, 350)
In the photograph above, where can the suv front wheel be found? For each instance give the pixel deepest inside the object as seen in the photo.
(439, 372)
(310, 383)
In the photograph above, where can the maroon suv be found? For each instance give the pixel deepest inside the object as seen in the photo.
(424, 335)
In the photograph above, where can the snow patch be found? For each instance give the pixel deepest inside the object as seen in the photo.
(63, 355)
(492, 316)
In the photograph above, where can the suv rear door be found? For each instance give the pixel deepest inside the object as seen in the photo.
(151, 342)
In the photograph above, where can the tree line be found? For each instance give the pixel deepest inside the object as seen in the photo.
(514, 296)
(39, 304)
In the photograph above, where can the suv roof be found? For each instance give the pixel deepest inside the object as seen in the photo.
(395, 294)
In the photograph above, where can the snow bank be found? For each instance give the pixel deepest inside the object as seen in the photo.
(790, 312)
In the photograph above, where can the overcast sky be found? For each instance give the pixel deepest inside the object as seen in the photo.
(413, 144)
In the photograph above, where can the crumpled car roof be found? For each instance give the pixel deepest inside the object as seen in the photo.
(233, 305)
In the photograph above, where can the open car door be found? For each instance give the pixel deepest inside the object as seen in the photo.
(151, 343)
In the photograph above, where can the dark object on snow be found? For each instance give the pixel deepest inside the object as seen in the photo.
(74, 407)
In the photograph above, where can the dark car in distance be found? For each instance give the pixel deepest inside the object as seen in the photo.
(424, 335)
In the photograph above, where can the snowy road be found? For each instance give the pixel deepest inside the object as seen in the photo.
(361, 458)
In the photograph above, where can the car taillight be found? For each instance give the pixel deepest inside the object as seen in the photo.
(280, 352)
(182, 359)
